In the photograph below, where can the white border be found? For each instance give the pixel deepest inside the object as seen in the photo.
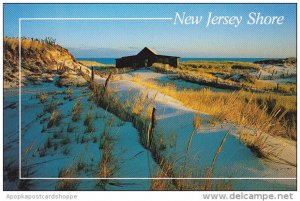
(115, 178)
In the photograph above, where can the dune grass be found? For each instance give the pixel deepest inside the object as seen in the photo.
(26, 184)
(259, 144)
(42, 97)
(89, 123)
(130, 111)
(271, 113)
(76, 111)
(55, 119)
(108, 164)
(220, 74)
(67, 184)
(188, 169)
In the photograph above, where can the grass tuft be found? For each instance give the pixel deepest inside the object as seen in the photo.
(55, 119)
(42, 96)
(88, 122)
(66, 184)
(76, 111)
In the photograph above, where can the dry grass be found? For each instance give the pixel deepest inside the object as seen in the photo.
(188, 170)
(26, 184)
(70, 128)
(11, 169)
(160, 184)
(209, 73)
(66, 151)
(133, 110)
(55, 119)
(69, 93)
(258, 143)
(76, 111)
(88, 122)
(66, 140)
(197, 121)
(67, 184)
(109, 163)
(141, 105)
(52, 106)
(271, 113)
(42, 97)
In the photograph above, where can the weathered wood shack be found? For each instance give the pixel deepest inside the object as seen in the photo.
(146, 58)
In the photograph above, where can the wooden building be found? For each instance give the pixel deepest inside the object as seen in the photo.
(146, 58)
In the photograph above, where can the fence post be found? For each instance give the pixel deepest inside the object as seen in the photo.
(92, 73)
(107, 81)
(153, 124)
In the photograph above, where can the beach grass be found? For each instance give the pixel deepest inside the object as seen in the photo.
(221, 74)
(255, 110)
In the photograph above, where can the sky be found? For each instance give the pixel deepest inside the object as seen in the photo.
(117, 38)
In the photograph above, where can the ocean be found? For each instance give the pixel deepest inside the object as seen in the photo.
(113, 60)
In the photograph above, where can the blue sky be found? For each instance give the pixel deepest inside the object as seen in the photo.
(122, 38)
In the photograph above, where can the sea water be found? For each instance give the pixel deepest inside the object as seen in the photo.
(113, 60)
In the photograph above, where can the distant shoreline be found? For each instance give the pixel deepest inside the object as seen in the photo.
(112, 61)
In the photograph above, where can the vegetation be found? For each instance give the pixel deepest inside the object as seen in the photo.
(229, 75)
(66, 140)
(52, 106)
(289, 61)
(271, 113)
(55, 119)
(70, 128)
(134, 110)
(66, 151)
(197, 121)
(108, 163)
(41, 58)
(26, 184)
(11, 170)
(42, 97)
(188, 170)
(67, 184)
(48, 144)
(88, 122)
(76, 111)
(80, 165)
(68, 93)
(258, 143)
